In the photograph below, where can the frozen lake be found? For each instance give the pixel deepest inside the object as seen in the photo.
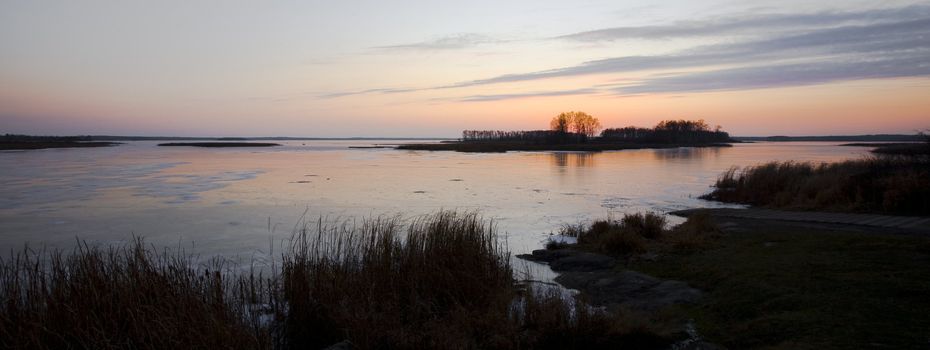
(237, 202)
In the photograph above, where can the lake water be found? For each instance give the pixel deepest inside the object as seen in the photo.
(238, 203)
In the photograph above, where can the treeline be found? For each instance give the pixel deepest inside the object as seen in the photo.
(530, 136)
(669, 131)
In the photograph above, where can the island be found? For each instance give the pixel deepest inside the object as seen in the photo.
(26, 142)
(578, 131)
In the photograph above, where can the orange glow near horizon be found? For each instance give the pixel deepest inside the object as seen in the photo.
(306, 70)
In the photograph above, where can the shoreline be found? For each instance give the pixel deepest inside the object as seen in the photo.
(501, 147)
(773, 272)
(218, 144)
(29, 145)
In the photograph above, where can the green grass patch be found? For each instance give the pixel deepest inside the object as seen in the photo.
(784, 287)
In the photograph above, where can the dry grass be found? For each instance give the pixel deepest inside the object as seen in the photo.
(890, 185)
(787, 286)
(128, 297)
(635, 233)
(449, 282)
(698, 232)
(549, 321)
(438, 281)
(649, 225)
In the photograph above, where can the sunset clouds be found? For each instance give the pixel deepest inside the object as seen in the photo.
(287, 69)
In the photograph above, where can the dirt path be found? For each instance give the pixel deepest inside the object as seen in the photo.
(868, 222)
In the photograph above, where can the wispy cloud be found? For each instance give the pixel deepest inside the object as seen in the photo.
(751, 24)
(368, 91)
(452, 42)
(784, 50)
(784, 75)
(500, 97)
(857, 47)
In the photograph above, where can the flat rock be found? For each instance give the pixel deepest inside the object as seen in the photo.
(629, 289)
(570, 260)
(546, 255)
(594, 275)
(582, 262)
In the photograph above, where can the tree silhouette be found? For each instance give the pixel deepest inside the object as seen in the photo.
(580, 123)
(584, 124)
(561, 122)
(669, 131)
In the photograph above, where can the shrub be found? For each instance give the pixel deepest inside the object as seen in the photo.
(649, 225)
(891, 185)
(623, 242)
(629, 235)
(572, 230)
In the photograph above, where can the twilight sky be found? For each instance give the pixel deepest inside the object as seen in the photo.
(425, 68)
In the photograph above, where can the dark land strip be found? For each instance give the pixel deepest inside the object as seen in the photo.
(867, 222)
(220, 144)
(26, 145)
(492, 147)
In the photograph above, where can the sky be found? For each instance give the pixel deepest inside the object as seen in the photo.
(432, 69)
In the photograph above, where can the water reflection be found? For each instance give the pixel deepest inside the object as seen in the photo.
(573, 159)
(229, 201)
(686, 153)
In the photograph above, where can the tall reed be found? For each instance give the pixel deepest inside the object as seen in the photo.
(124, 297)
(438, 281)
(891, 185)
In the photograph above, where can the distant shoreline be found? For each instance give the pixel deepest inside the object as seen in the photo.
(29, 145)
(840, 138)
(270, 138)
(218, 144)
(836, 138)
(499, 147)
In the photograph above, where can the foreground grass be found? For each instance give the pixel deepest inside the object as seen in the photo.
(773, 286)
(897, 185)
(440, 281)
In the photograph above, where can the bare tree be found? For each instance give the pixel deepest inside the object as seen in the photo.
(584, 124)
(578, 122)
(561, 122)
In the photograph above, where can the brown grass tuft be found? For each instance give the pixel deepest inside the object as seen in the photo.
(630, 235)
(890, 184)
(698, 232)
(125, 297)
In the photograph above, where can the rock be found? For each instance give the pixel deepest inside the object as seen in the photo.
(594, 275)
(570, 259)
(581, 261)
(546, 255)
(629, 289)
